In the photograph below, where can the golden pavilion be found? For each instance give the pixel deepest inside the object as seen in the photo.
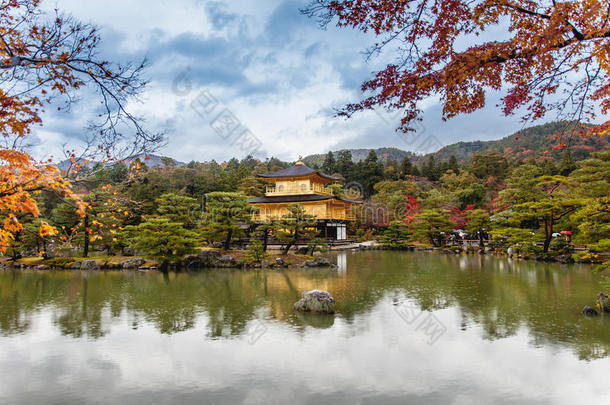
(300, 184)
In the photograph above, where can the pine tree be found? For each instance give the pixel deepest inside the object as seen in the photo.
(396, 235)
(478, 224)
(430, 169)
(329, 166)
(179, 208)
(453, 164)
(406, 168)
(162, 240)
(294, 226)
(226, 216)
(567, 164)
(370, 173)
(251, 187)
(433, 225)
(345, 165)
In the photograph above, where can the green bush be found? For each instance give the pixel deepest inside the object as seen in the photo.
(256, 252)
(528, 249)
(561, 246)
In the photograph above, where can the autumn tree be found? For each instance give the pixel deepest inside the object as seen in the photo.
(45, 60)
(552, 56)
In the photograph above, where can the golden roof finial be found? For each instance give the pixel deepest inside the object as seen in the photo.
(300, 161)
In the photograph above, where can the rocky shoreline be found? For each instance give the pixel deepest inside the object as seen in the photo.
(476, 250)
(208, 258)
(215, 258)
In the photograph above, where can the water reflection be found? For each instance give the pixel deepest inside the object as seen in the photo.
(499, 295)
(514, 334)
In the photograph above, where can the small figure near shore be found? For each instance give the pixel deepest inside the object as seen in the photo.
(589, 311)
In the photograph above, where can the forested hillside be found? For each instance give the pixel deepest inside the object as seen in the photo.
(533, 142)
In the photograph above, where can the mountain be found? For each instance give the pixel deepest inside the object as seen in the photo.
(532, 142)
(156, 160)
(148, 160)
(383, 154)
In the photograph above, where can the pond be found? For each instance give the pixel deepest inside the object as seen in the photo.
(410, 327)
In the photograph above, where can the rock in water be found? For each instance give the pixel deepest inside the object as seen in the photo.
(316, 301)
(588, 311)
(132, 263)
(89, 265)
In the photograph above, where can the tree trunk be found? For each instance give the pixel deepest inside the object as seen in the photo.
(265, 239)
(293, 242)
(548, 234)
(287, 248)
(227, 244)
(45, 255)
(86, 244)
(164, 266)
(481, 240)
(312, 249)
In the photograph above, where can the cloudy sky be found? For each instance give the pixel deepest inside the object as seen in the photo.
(229, 77)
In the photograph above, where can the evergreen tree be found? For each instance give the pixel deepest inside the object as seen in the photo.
(567, 164)
(256, 252)
(433, 225)
(551, 204)
(430, 169)
(162, 240)
(295, 226)
(592, 178)
(406, 168)
(227, 214)
(478, 224)
(370, 173)
(345, 165)
(251, 187)
(178, 208)
(396, 235)
(453, 164)
(329, 166)
(489, 165)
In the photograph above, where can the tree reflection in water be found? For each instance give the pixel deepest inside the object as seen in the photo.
(501, 296)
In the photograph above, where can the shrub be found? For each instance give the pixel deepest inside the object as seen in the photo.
(561, 246)
(256, 252)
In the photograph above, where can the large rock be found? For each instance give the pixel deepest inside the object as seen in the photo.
(227, 261)
(316, 301)
(318, 262)
(133, 263)
(281, 262)
(89, 265)
(205, 258)
(209, 253)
